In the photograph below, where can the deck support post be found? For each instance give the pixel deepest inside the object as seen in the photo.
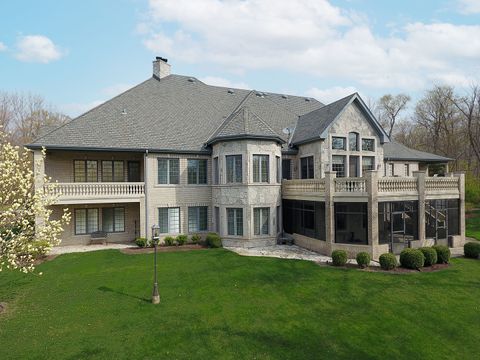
(330, 209)
(421, 175)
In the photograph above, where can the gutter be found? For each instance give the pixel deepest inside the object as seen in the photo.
(145, 178)
(140, 150)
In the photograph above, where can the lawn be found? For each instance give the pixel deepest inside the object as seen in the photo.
(218, 305)
(472, 223)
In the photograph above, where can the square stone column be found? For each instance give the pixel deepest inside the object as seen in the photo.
(461, 189)
(421, 175)
(372, 207)
(39, 179)
(143, 218)
(330, 209)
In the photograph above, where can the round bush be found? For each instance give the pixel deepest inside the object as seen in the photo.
(430, 255)
(181, 239)
(412, 259)
(472, 250)
(339, 257)
(169, 240)
(141, 242)
(214, 240)
(443, 254)
(363, 259)
(195, 238)
(388, 261)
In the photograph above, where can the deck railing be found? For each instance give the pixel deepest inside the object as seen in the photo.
(394, 184)
(441, 183)
(351, 185)
(100, 190)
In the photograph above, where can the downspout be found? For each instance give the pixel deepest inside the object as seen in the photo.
(145, 180)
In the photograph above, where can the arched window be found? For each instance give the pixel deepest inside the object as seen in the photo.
(353, 141)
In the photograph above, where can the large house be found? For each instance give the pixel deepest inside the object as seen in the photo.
(193, 158)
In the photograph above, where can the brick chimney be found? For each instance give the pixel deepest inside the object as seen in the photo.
(161, 68)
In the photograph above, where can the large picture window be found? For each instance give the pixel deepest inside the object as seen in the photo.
(197, 218)
(86, 221)
(112, 171)
(169, 220)
(338, 165)
(286, 169)
(368, 163)
(351, 223)
(85, 171)
(305, 218)
(168, 171)
(307, 167)
(368, 144)
(235, 221)
(234, 168)
(197, 171)
(113, 219)
(216, 171)
(261, 218)
(260, 168)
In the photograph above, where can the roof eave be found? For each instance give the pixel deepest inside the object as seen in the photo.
(245, 137)
(141, 150)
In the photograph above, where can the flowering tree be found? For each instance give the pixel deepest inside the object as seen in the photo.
(26, 229)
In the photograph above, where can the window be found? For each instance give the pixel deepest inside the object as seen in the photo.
(339, 143)
(307, 169)
(86, 221)
(286, 169)
(260, 168)
(351, 223)
(112, 171)
(217, 219)
(391, 169)
(234, 168)
(407, 169)
(169, 220)
(168, 171)
(278, 219)
(305, 218)
(261, 221)
(353, 141)
(235, 221)
(197, 171)
(197, 218)
(279, 169)
(338, 165)
(368, 163)
(216, 171)
(113, 219)
(368, 144)
(85, 171)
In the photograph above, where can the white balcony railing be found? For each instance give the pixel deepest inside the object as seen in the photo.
(110, 190)
(350, 185)
(394, 184)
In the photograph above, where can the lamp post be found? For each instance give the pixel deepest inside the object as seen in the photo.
(155, 238)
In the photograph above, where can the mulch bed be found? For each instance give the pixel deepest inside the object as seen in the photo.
(398, 270)
(44, 259)
(139, 250)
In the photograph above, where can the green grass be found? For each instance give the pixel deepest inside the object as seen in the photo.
(472, 223)
(218, 305)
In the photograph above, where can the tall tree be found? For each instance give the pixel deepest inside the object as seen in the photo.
(389, 108)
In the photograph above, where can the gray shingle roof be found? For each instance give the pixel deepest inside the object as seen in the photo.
(314, 125)
(172, 114)
(396, 151)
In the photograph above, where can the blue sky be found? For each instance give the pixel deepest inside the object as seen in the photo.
(79, 53)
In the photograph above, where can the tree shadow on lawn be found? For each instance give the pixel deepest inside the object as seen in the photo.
(107, 289)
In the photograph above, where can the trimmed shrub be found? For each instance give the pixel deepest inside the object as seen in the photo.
(141, 242)
(443, 254)
(388, 261)
(363, 259)
(339, 257)
(196, 238)
(412, 258)
(430, 256)
(181, 239)
(472, 250)
(214, 240)
(169, 240)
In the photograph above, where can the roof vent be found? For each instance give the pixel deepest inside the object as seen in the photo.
(260, 94)
(308, 99)
(124, 112)
(284, 97)
(191, 79)
(230, 91)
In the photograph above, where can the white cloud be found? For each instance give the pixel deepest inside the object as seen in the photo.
(218, 81)
(469, 6)
(3, 47)
(37, 48)
(331, 94)
(116, 89)
(75, 109)
(311, 36)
